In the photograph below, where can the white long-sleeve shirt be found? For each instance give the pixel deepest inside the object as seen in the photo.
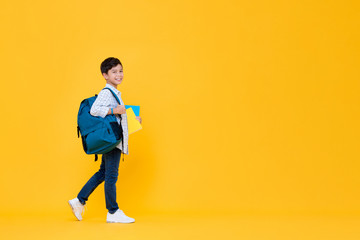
(104, 101)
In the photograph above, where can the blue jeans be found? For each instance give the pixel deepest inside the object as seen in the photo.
(109, 171)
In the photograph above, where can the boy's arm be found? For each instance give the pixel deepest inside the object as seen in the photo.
(101, 105)
(120, 109)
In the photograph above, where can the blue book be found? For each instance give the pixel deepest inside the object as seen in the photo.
(136, 109)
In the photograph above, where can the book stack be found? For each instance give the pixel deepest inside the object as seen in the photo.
(133, 124)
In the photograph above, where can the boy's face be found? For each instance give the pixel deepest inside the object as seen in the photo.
(114, 76)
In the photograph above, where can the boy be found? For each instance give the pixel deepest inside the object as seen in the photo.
(105, 103)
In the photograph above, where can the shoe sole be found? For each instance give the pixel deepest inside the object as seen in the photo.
(73, 211)
(118, 222)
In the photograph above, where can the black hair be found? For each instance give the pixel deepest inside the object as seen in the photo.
(109, 63)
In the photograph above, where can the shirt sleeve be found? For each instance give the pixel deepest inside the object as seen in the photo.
(101, 105)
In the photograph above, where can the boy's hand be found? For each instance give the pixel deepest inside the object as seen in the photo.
(120, 109)
(139, 119)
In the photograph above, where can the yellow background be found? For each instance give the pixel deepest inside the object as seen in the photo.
(247, 106)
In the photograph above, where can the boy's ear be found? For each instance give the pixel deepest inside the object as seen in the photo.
(105, 76)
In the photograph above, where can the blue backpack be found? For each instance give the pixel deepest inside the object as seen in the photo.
(99, 135)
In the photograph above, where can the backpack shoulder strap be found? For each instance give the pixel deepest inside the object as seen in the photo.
(116, 97)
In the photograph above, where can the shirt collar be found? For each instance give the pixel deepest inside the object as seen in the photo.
(112, 88)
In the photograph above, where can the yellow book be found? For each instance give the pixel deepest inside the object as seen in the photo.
(133, 124)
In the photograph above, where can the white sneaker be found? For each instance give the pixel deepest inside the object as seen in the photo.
(118, 217)
(77, 208)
